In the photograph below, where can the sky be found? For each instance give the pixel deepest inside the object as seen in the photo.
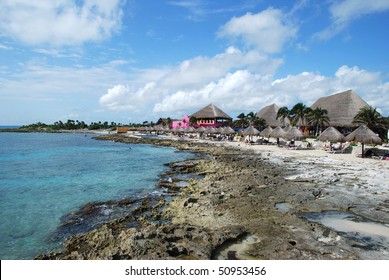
(131, 61)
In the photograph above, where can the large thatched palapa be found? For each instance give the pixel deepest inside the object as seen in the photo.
(210, 116)
(269, 114)
(342, 107)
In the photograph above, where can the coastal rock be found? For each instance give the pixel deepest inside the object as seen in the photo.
(236, 198)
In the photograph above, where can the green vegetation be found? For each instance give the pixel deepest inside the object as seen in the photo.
(373, 120)
(247, 120)
(318, 118)
(72, 125)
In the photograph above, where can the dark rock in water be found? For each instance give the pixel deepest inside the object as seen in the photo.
(317, 193)
(93, 214)
(190, 200)
(231, 255)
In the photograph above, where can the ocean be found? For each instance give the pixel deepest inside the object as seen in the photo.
(44, 176)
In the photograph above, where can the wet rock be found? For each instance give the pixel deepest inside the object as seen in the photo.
(236, 196)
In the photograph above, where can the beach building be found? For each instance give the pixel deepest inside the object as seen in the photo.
(164, 121)
(211, 116)
(184, 123)
(342, 107)
(269, 114)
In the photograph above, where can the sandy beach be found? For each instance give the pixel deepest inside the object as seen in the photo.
(251, 202)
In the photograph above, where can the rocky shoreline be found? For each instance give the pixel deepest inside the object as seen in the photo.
(235, 204)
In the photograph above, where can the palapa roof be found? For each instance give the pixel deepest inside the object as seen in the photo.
(251, 131)
(342, 107)
(266, 132)
(278, 132)
(210, 112)
(269, 114)
(331, 134)
(294, 133)
(364, 135)
(228, 130)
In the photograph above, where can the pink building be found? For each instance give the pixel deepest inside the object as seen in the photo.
(184, 123)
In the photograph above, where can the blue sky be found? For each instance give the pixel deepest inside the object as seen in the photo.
(138, 60)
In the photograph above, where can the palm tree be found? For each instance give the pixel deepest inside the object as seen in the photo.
(299, 113)
(372, 119)
(318, 117)
(368, 116)
(250, 117)
(259, 122)
(282, 114)
(169, 122)
(242, 120)
(192, 120)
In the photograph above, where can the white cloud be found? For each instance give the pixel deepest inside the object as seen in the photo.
(126, 98)
(267, 31)
(189, 75)
(5, 47)
(57, 53)
(355, 76)
(343, 12)
(60, 22)
(234, 89)
(245, 91)
(348, 10)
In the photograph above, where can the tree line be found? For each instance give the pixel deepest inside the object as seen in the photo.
(71, 125)
(301, 115)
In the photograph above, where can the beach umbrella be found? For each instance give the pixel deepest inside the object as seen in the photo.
(179, 129)
(331, 134)
(201, 129)
(251, 131)
(294, 133)
(211, 130)
(266, 132)
(220, 129)
(287, 128)
(228, 130)
(364, 135)
(190, 129)
(278, 133)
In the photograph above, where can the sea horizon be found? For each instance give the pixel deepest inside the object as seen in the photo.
(9, 126)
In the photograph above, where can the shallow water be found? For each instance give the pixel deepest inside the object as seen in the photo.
(46, 176)
(236, 249)
(283, 206)
(367, 234)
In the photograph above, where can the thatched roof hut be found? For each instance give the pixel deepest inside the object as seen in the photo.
(210, 116)
(228, 130)
(342, 107)
(251, 131)
(331, 134)
(294, 134)
(278, 132)
(364, 135)
(266, 132)
(210, 112)
(269, 114)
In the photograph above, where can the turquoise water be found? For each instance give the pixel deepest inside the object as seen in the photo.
(45, 176)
